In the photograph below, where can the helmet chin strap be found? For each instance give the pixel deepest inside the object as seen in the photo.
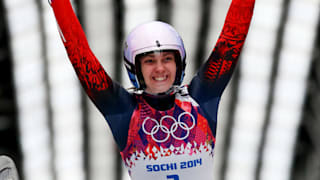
(170, 91)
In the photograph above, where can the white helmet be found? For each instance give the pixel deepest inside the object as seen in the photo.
(149, 37)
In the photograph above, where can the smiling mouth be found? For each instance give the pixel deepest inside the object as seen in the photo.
(160, 78)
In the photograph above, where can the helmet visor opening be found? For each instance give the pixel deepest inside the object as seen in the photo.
(178, 61)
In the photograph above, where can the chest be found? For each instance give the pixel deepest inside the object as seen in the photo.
(177, 141)
(182, 129)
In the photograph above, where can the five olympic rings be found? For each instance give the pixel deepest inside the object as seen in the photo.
(173, 128)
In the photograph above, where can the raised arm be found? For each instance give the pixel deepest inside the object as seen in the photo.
(113, 101)
(89, 71)
(214, 75)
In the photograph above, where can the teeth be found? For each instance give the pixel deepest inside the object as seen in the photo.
(160, 78)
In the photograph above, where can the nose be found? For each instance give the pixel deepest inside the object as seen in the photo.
(160, 66)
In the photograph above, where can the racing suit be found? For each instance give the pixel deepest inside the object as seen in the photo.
(161, 137)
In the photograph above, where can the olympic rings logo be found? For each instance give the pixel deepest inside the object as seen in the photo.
(160, 128)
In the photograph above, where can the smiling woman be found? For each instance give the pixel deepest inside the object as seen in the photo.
(164, 130)
(149, 38)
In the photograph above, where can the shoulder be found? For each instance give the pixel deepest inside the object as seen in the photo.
(182, 94)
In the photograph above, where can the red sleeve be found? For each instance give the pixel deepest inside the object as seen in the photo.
(218, 69)
(88, 69)
(113, 101)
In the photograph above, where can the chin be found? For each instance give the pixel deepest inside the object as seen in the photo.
(157, 91)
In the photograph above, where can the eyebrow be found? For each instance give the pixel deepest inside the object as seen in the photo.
(167, 53)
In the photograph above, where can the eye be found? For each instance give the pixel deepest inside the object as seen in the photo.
(169, 58)
(147, 61)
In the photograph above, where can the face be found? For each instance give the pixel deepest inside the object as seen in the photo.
(159, 71)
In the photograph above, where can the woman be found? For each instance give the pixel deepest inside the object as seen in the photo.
(163, 130)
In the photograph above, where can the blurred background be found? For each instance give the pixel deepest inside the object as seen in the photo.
(268, 121)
